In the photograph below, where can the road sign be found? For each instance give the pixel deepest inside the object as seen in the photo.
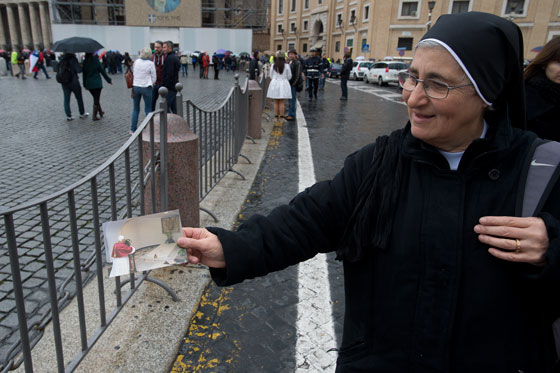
(401, 53)
(365, 48)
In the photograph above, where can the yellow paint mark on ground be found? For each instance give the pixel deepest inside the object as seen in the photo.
(275, 134)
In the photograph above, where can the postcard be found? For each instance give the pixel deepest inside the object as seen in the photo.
(143, 243)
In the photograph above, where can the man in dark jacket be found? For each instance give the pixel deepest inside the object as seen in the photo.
(254, 66)
(295, 68)
(345, 75)
(158, 58)
(70, 62)
(314, 71)
(170, 75)
(216, 65)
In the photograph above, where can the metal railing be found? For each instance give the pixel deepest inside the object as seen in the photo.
(77, 211)
(221, 133)
(81, 225)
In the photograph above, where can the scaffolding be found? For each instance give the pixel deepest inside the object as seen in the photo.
(89, 12)
(251, 14)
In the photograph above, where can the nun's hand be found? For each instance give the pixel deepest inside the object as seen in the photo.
(514, 239)
(202, 247)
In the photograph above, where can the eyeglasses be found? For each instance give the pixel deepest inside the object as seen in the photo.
(433, 88)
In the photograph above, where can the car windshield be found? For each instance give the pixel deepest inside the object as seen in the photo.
(398, 66)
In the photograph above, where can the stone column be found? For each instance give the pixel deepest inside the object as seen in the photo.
(3, 42)
(35, 26)
(12, 25)
(45, 24)
(24, 26)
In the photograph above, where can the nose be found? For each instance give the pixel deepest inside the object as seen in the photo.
(417, 97)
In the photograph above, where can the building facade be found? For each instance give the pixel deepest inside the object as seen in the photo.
(131, 24)
(377, 29)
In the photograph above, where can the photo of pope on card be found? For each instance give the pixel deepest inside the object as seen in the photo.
(143, 243)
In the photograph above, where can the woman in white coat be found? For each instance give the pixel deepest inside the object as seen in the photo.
(279, 88)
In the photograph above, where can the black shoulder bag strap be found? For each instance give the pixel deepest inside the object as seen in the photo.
(540, 173)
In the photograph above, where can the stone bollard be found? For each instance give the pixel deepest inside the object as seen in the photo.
(3, 68)
(255, 110)
(182, 169)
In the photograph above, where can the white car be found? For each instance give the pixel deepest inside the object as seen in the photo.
(359, 69)
(385, 72)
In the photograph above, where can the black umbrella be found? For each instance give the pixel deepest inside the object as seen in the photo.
(76, 44)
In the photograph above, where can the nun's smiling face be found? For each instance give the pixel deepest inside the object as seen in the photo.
(449, 124)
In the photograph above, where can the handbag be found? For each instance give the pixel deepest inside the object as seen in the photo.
(129, 79)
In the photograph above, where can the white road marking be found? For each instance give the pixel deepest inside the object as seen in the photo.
(315, 327)
(366, 88)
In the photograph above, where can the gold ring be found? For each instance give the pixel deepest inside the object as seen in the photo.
(517, 246)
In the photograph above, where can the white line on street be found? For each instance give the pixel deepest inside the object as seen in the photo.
(315, 328)
(362, 87)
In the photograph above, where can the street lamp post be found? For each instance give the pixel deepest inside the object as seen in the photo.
(296, 43)
(431, 5)
(282, 31)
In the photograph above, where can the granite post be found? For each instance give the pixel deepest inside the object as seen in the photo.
(3, 69)
(255, 110)
(182, 174)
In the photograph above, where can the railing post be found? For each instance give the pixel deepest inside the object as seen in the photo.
(163, 148)
(179, 100)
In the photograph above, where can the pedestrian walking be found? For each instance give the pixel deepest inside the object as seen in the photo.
(216, 65)
(170, 76)
(92, 71)
(345, 75)
(542, 87)
(67, 75)
(313, 70)
(254, 68)
(40, 65)
(205, 64)
(184, 65)
(127, 62)
(295, 81)
(14, 60)
(158, 58)
(194, 62)
(144, 71)
(279, 87)
(439, 274)
(326, 65)
(21, 64)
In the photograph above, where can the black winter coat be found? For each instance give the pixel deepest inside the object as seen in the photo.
(435, 300)
(346, 68)
(170, 72)
(543, 107)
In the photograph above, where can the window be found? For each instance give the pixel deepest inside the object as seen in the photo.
(304, 48)
(280, 28)
(409, 9)
(291, 46)
(337, 46)
(350, 42)
(280, 6)
(364, 42)
(515, 7)
(405, 43)
(306, 4)
(293, 7)
(278, 47)
(292, 27)
(352, 19)
(366, 13)
(305, 25)
(339, 19)
(319, 2)
(460, 7)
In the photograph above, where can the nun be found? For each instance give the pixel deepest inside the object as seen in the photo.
(440, 274)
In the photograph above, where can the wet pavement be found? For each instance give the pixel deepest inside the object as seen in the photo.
(252, 326)
(42, 153)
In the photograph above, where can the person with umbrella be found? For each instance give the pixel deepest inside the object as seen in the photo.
(68, 69)
(92, 71)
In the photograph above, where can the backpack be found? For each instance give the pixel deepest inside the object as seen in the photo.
(540, 174)
(63, 72)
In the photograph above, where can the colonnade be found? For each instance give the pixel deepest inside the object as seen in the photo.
(27, 26)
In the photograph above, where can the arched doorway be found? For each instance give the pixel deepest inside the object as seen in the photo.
(317, 39)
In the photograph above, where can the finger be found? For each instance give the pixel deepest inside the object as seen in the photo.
(191, 243)
(500, 243)
(501, 231)
(510, 221)
(509, 256)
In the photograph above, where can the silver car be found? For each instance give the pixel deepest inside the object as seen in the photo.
(385, 72)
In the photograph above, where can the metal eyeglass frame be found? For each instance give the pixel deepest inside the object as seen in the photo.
(407, 75)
